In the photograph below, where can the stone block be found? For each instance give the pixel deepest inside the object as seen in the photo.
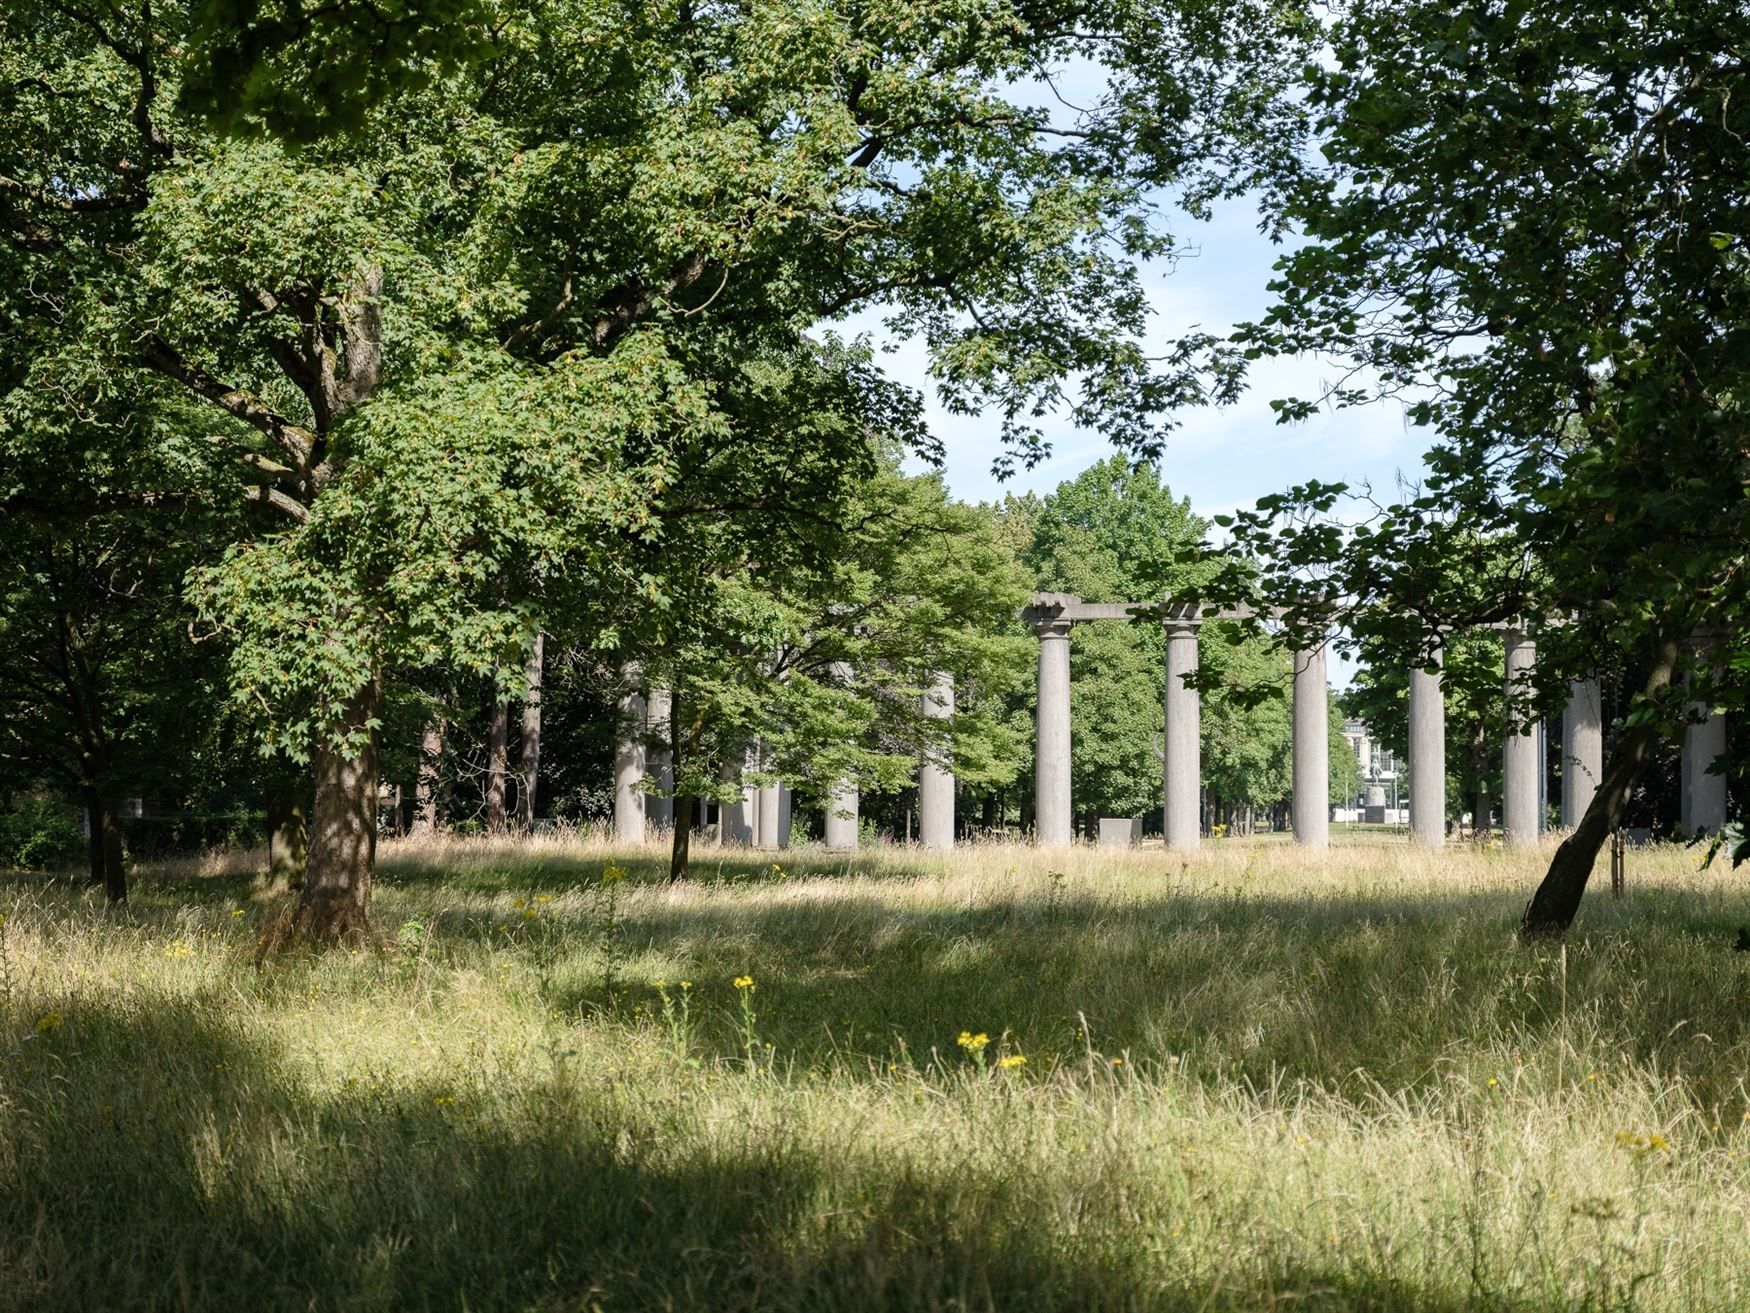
(1120, 831)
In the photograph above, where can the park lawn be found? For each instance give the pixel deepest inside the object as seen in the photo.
(1253, 1079)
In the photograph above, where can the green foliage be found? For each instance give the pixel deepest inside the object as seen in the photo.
(1117, 533)
(1528, 221)
(39, 831)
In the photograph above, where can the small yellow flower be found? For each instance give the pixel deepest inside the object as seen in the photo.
(543, 898)
(1117, 1062)
(744, 982)
(1493, 1082)
(519, 903)
(612, 874)
(1012, 1061)
(236, 912)
(179, 949)
(1658, 1142)
(686, 984)
(443, 1100)
(529, 914)
(47, 1022)
(972, 1043)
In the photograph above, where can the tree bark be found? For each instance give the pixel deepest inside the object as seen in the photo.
(1553, 907)
(428, 805)
(288, 834)
(94, 836)
(115, 875)
(531, 746)
(497, 765)
(682, 741)
(336, 900)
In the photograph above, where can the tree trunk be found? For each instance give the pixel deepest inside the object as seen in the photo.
(683, 741)
(94, 836)
(531, 735)
(336, 901)
(115, 875)
(497, 765)
(1552, 908)
(288, 834)
(428, 805)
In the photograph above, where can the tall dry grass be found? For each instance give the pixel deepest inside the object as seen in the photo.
(1254, 1078)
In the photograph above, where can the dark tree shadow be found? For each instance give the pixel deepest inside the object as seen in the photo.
(161, 1159)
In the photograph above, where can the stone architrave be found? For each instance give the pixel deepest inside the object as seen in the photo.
(629, 763)
(659, 760)
(1182, 765)
(935, 780)
(1582, 749)
(1052, 818)
(1311, 810)
(1428, 756)
(1521, 768)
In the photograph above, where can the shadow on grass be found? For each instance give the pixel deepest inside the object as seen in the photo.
(159, 1158)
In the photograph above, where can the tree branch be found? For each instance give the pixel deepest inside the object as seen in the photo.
(295, 439)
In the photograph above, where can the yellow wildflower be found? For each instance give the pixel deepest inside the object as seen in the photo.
(972, 1043)
(1012, 1061)
(47, 1022)
(744, 982)
(612, 874)
(236, 911)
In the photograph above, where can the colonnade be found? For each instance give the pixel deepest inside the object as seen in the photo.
(761, 817)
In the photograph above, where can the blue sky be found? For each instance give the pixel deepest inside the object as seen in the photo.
(1219, 458)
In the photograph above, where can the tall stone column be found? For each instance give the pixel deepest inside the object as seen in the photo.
(935, 780)
(1311, 812)
(1703, 807)
(659, 760)
(1520, 767)
(782, 838)
(736, 819)
(1582, 749)
(1427, 758)
(841, 802)
(1051, 736)
(841, 819)
(1182, 766)
(767, 835)
(629, 764)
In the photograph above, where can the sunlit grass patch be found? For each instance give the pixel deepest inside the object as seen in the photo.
(994, 1079)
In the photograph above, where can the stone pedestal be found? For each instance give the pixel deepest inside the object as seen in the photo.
(1582, 749)
(1182, 769)
(935, 780)
(1427, 759)
(1120, 831)
(1521, 770)
(1311, 806)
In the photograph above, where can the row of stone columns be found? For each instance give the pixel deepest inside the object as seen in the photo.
(761, 816)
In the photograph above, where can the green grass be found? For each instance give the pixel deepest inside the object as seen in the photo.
(1256, 1079)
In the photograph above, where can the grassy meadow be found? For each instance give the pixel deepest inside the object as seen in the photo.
(1001, 1079)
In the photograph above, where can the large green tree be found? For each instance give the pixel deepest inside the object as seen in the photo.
(1527, 218)
(462, 340)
